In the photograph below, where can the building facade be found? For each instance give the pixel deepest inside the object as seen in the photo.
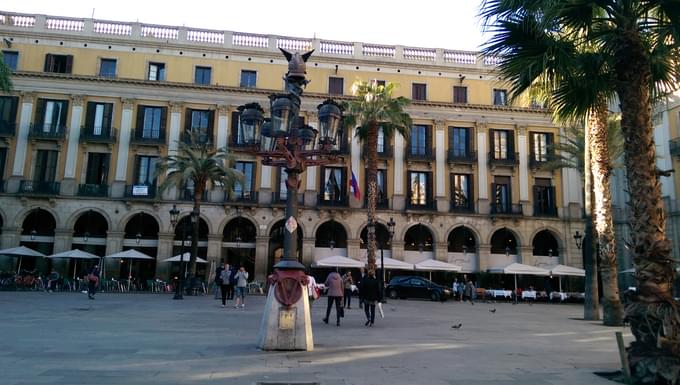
(96, 103)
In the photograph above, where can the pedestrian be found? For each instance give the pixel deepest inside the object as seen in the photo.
(370, 292)
(312, 289)
(454, 287)
(348, 282)
(52, 281)
(225, 272)
(335, 291)
(362, 275)
(218, 280)
(470, 292)
(231, 283)
(92, 281)
(241, 283)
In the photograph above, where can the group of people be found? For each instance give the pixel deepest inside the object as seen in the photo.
(340, 294)
(92, 278)
(465, 290)
(231, 280)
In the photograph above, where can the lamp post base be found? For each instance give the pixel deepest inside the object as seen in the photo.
(286, 327)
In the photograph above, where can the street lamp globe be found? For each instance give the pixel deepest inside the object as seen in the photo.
(174, 215)
(283, 114)
(330, 116)
(267, 140)
(251, 120)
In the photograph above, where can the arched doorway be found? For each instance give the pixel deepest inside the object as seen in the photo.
(503, 248)
(545, 249)
(330, 239)
(238, 243)
(462, 249)
(184, 228)
(276, 244)
(141, 233)
(418, 243)
(382, 240)
(38, 234)
(89, 234)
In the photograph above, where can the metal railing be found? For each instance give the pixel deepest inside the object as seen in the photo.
(93, 190)
(511, 159)
(429, 205)
(514, 209)
(242, 196)
(105, 135)
(7, 128)
(458, 157)
(426, 155)
(380, 204)
(47, 131)
(39, 187)
(542, 211)
(188, 195)
(457, 207)
(278, 198)
(341, 201)
(386, 153)
(137, 191)
(674, 145)
(155, 138)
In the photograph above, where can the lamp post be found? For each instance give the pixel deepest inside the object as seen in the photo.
(174, 219)
(285, 141)
(390, 228)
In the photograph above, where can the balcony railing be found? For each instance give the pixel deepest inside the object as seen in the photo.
(103, 135)
(47, 131)
(93, 190)
(241, 196)
(511, 159)
(188, 195)
(542, 211)
(536, 163)
(342, 148)
(429, 205)
(140, 191)
(280, 199)
(458, 157)
(458, 207)
(507, 209)
(380, 204)
(386, 153)
(203, 138)
(425, 156)
(39, 187)
(7, 128)
(674, 145)
(152, 138)
(341, 201)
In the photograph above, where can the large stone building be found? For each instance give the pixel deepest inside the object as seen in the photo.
(96, 103)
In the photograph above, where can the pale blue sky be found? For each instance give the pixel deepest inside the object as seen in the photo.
(423, 23)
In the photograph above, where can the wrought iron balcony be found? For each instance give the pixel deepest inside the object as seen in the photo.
(241, 196)
(101, 135)
(537, 161)
(341, 201)
(455, 156)
(462, 207)
(511, 159)
(279, 198)
(386, 153)
(188, 195)
(429, 205)
(93, 190)
(545, 211)
(148, 138)
(506, 209)
(39, 187)
(47, 131)
(140, 191)
(203, 138)
(380, 204)
(7, 129)
(422, 156)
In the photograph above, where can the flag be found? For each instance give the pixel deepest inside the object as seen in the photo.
(354, 186)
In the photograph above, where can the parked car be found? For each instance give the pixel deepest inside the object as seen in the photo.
(416, 287)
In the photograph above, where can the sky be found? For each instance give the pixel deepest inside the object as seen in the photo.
(451, 24)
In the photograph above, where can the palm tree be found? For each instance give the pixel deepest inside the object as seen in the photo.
(5, 72)
(374, 108)
(643, 39)
(199, 162)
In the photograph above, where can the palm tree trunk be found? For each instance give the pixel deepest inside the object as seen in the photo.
(591, 304)
(654, 316)
(372, 169)
(198, 193)
(602, 214)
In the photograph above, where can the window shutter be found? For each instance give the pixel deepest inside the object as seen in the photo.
(64, 116)
(551, 148)
(187, 123)
(164, 118)
(532, 153)
(492, 143)
(140, 121)
(108, 115)
(468, 140)
(211, 124)
(137, 170)
(234, 127)
(105, 166)
(428, 140)
(89, 116)
(69, 64)
(51, 168)
(91, 173)
(13, 104)
(511, 144)
(49, 62)
(345, 185)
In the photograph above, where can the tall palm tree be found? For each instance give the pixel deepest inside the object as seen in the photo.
(374, 108)
(576, 81)
(199, 162)
(643, 39)
(5, 72)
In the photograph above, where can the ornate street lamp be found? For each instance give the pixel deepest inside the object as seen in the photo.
(578, 238)
(285, 141)
(174, 218)
(390, 229)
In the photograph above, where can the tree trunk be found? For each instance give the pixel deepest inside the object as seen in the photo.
(198, 194)
(372, 188)
(591, 304)
(654, 315)
(602, 214)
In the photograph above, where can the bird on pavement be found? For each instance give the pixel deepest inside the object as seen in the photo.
(456, 326)
(492, 310)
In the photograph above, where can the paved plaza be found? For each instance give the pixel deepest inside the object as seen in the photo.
(62, 338)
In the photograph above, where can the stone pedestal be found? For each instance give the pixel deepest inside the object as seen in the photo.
(286, 327)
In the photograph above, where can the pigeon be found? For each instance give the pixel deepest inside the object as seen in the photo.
(456, 326)
(492, 310)
(393, 308)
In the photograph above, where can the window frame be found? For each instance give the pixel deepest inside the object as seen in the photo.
(160, 70)
(246, 77)
(467, 191)
(500, 97)
(428, 188)
(333, 85)
(414, 91)
(53, 63)
(13, 65)
(101, 67)
(341, 184)
(103, 165)
(203, 70)
(246, 192)
(464, 96)
(151, 162)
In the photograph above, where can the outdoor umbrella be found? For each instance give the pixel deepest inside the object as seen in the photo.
(74, 254)
(186, 256)
(337, 261)
(392, 264)
(21, 251)
(560, 270)
(434, 265)
(518, 268)
(129, 254)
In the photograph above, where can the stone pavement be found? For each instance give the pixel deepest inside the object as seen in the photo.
(63, 338)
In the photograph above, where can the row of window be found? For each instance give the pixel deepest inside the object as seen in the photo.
(203, 75)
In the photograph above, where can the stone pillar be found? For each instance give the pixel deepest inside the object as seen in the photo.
(120, 180)
(483, 253)
(62, 240)
(114, 244)
(308, 250)
(440, 167)
(441, 252)
(523, 148)
(482, 181)
(21, 142)
(354, 250)
(214, 250)
(261, 258)
(164, 251)
(398, 250)
(68, 184)
(355, 162)
(217, 194)
(398, 197)
(526, 255)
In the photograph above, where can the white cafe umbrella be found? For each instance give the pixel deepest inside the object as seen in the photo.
(392, 264)
(560, 270)
(434, 265)
(186, 257)
(129, 254)
(21, 251)
(74, 254)
(519, 268)
(338, 261)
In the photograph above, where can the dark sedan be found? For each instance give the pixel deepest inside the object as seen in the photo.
(416, 287)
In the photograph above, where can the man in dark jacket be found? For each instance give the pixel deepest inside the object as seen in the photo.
(232, 282)
(370, 292)
(335, 292)
(218, 280)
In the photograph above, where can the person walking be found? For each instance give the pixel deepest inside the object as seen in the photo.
(225, 273)
(347, 282)
(231, 283)
(218, 280)
(370, 292)
(335, 291)
(312, 292)
(92, 281)
(455, 287)
(470, 292)
(241, 283)
(362, 276)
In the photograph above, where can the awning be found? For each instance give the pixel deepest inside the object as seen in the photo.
(186, 257)
(338, 261)
(434, 265)
(392, 264)
(75, 253)
(21, 251)
(132, 254)
(519, 268)
(567, 270)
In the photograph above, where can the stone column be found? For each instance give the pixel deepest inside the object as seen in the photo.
(526, 255)
(217, 194)
(114, 244)
(21, 142)
(441, 252)
(398, 197)
(440, 167)
(355, 162)
(261, 257)
(68, 183)
(165, 243)
(482, 181)
(62, 240)
(523, 148)
(120, 180)
(483, 253)
(398, 250)
(214, 248)
(308, 250)
(354, 250)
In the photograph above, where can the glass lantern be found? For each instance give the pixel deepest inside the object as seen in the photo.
(330, 117)
(283, 114)
(267, 140)
(251, 119)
